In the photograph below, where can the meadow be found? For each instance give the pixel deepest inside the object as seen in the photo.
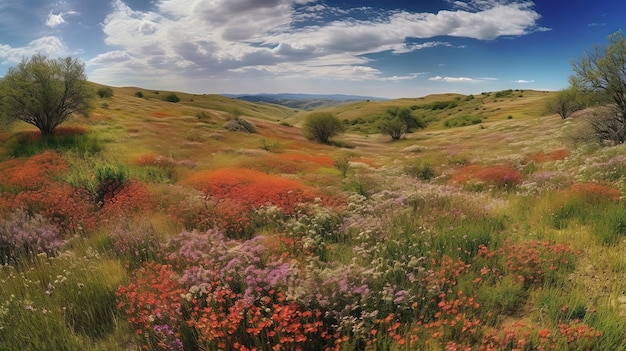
(148, 226)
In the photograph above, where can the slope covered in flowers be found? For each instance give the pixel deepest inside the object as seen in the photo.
(148, 226)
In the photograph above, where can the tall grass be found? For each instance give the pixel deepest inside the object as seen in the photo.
(65, 303)
(25, 144)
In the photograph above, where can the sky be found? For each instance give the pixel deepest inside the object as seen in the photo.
(382, 48)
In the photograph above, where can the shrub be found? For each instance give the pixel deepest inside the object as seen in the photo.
(62, 204)
(240, 125)
(500, 176)
(139, 94)
(109, 179)
(343, 165)
(24, 234)
(423, 170)
(105, 92)
(30, 174)
(171, 98)
(321, 126)
(203, 115)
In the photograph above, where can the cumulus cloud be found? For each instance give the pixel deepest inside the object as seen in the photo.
(49, 45)
(290, 38)
(55, 20)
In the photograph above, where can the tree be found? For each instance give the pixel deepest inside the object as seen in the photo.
(602, 71)
(321, 126)
(566, 102)
(394, 127)
(398, 121)
(45, 92)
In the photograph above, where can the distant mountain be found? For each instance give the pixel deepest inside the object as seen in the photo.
(304, 101)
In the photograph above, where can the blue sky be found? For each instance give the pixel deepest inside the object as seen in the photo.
(386, 48)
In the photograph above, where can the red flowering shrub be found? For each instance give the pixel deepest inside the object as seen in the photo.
(555, 155)
(231, 216)
(594, 193)
(501, 176)
(252, 188)
(31, 173)
(130, 197)
(61, 204)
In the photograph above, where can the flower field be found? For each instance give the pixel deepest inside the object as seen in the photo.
(152, 230)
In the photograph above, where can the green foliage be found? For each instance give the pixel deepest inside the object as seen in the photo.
(100, 178)
(504, 93)
(25, 144)
(601, 71)
(45, 92)
(139, 94)
(462, 121)
(566, 102)
(342, 163)
(109, 178)
(609, 224)
(398, 121)
(421, 170)
(505, 298)
(171, 98)
(321, 126)
(105, 92)
(439, 105)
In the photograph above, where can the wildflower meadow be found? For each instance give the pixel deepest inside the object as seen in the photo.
(151, 227)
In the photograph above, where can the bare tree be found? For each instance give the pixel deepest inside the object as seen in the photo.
(45, 92)
(602, 71)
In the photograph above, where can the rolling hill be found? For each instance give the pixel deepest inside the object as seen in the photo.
(150, 226)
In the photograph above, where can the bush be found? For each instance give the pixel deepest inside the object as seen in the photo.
(139, 94)
(171, 98)
(105, 92)
(109, 179)
(321, 126)
(240, 125)
(424, 171)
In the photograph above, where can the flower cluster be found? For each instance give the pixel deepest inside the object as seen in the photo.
(23, 234)
(500, 176)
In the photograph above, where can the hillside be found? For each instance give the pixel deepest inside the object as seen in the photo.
(305, 101)
(150, 226)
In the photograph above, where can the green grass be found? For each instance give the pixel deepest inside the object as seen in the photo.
(63, 303)
(28, 144)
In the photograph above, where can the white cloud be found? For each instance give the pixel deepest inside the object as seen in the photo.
(232, 38)
(522, 81)
(454, 79)
(50, 46)
(55, 20)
